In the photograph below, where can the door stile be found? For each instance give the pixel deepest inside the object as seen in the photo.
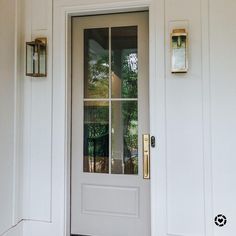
(110, 115)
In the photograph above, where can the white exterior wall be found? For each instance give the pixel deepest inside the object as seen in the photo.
(38, 119)
(10, 116)
(223, 110)
(193, 118)
(7, 115)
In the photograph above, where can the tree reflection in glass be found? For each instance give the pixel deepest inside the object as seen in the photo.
(124, 62)
(96, 63)
(117, 104)
(124, 137)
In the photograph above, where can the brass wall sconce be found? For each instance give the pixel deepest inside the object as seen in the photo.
(179, 51)
(36, 58)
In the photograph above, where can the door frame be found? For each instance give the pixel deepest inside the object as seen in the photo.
(61, 136)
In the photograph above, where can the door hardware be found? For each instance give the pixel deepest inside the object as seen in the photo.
(146, 156)
(153, 141)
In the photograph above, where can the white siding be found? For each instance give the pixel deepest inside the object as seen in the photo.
(193, 118)
(38, 119)
(7, 114)
(223, 110)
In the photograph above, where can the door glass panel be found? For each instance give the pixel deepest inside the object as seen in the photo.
(124, 62)
(96, 137)
(124, 137)
(111, 112)
(96, 63)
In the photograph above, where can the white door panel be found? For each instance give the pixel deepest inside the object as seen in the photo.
(110, 113)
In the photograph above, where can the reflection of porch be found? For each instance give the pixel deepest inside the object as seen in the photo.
(127, 166)
(96, 148)
(96, 164)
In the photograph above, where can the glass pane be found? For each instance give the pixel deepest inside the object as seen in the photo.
(179, 62)
(96, 137)
(96, 63)
(29, 59)
(124, 62)
(124, 137)
(42, 60)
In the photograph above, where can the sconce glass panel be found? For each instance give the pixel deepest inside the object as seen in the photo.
(179, 57)
(42, 59)
(29, 61)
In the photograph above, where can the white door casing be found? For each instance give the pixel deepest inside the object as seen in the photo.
(109, 204)
(63, 10)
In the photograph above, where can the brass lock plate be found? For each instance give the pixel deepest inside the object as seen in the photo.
(146, 156)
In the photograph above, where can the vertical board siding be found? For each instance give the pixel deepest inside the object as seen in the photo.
(41, 14)
(38, 119)
(7, 112)
(41, 120)
(185, 198)
(223, 97)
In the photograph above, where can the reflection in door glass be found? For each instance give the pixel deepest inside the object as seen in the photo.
(111, 112)
(96, 137)
(96, 63)
(124, 137)
(124, 62)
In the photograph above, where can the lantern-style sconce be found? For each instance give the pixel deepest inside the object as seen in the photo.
(36, 58)
(179, 51)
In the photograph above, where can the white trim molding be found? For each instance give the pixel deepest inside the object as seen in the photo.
(63, 10)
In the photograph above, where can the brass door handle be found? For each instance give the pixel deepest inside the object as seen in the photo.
(146, 156)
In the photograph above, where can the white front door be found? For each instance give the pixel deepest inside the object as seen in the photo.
(110, 114)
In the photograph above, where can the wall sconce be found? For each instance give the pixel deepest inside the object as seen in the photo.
(179, 51)
(36, 58)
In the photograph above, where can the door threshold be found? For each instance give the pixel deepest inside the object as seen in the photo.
(79, 235)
